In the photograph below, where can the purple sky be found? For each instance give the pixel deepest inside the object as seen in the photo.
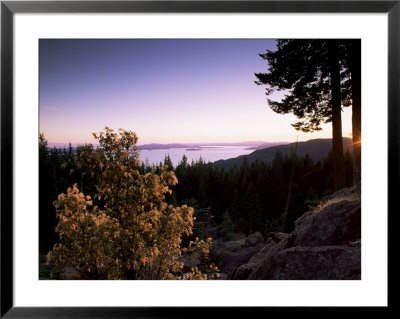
(164, 90)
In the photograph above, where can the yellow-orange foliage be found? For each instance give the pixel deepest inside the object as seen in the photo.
(133, 233)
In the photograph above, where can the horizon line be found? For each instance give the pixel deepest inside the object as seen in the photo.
(198, 143)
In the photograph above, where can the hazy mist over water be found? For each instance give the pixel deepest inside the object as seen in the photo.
(208, 154)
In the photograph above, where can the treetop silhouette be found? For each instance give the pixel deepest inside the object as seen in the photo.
(315, 76)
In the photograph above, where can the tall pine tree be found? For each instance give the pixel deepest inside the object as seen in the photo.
(309, 72)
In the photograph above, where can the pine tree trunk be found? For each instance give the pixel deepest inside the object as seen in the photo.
(285, 212)
(356, 105)
(337, 142)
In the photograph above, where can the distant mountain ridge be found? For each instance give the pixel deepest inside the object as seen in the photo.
(160, 146)
(250, 144)
(316, 149)
(157, 146)
(267, 144)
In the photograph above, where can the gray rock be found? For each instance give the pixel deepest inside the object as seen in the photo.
(254, 239)
(334, 225)
(231, 254)
(278, 236)
(345, 192)
(219, 249)
(243, 271)
(324, 263)
(304, 219)
(231, 260)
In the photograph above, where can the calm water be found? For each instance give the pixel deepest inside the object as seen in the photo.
(208, 153)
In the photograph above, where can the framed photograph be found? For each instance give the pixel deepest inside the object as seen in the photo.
(161, 156)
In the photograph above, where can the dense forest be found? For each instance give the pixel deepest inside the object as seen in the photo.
(244, 198)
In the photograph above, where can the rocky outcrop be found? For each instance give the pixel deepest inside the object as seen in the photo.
(325, 244)
(353, 192)
(229, 255)
(336, 224)
(309, 263)
(244, 270)
(278, 236)
(254, 239)
(231, 260)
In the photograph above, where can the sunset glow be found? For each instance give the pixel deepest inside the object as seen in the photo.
(166, 91)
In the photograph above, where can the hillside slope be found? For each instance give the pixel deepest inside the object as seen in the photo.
(316, 149)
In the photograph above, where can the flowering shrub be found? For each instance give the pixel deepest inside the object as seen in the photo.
(131, 232)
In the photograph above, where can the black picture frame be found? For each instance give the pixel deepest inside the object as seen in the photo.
(9, 8)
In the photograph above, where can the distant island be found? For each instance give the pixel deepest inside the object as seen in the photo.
(194, 149)
(157, 146)
(197, 146)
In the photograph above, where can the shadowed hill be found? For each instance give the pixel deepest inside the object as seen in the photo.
(316, 149)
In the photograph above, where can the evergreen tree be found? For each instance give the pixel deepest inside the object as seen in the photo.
(47, 194)
(352, 77)
(309, 71)
(227, 225)
(168, 162)
(278, 185)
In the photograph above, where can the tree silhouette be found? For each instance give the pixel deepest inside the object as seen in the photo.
(353, 65)
(309, 72)
(47, 193)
